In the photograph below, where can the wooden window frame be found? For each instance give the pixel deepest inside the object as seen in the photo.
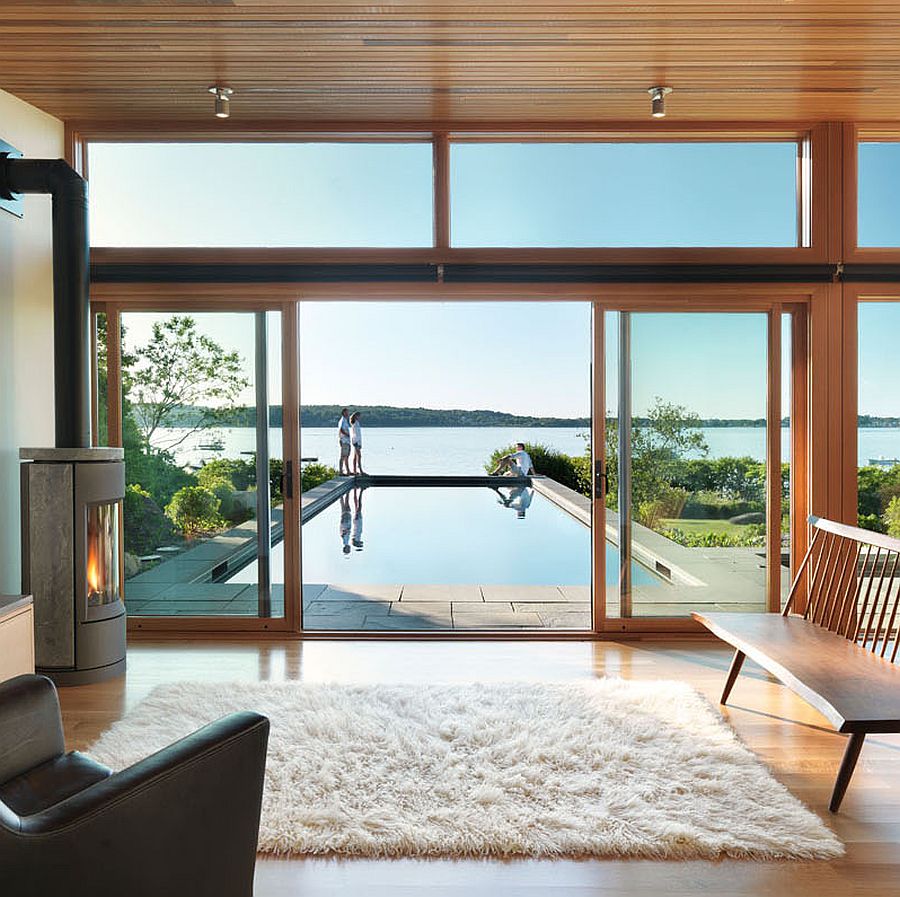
(854, 294)
(853, 135)
(812, 304)
(818, 151)
(291, 622)
(819, 475)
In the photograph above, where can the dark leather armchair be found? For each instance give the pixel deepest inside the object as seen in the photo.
(184, 821)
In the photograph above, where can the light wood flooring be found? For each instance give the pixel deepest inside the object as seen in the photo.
(785, 733)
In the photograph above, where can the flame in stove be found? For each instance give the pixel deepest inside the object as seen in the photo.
(93, 572)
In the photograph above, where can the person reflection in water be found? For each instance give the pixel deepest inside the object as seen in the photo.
(518, 499)
(356, 536)
(345, 522)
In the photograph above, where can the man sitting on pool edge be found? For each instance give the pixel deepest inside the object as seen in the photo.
(517, 464)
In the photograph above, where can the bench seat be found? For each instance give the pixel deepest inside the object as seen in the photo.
(854, 689)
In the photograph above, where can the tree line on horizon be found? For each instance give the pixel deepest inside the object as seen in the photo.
(397, 416)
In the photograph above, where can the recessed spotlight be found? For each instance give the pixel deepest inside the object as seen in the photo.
(658, 101)
(222, 95)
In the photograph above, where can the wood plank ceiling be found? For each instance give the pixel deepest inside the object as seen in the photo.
(150, 63)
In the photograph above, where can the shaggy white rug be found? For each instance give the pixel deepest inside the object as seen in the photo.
(605, 768)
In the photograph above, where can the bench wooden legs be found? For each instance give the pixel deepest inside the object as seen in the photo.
(848, 764)
(733, 671)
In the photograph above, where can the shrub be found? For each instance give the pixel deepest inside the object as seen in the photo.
(871, 522)
(583, 474)
(194, 510)
(230, 509)
(276, 472)
(146, 526)
(313, 475)
(754, 536)
(707, 505)
(670, 503)
(241, 474)
(736, 479)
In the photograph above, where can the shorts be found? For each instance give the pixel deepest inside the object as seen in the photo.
(357, 445)
(345, 449)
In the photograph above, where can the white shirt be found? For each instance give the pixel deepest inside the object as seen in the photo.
(356, 433)
(521, 463)
(520, 499)
(344, 430)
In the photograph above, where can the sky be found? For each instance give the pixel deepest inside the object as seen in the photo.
(524, 358)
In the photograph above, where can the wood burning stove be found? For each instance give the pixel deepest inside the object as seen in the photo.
(71, 501)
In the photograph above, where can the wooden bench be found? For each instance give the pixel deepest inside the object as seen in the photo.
(838, 652)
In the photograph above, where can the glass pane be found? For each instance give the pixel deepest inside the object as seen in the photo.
(624, 194)
(102, 387)
(414, 534)
(879, 418)
(878, 194)
(102, 554)
(261, 194)
(195, 523)
(697, 448)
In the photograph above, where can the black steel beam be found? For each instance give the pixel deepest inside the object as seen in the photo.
(71, 285)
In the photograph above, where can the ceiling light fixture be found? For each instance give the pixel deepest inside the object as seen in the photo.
(658, 101)
(222, 95)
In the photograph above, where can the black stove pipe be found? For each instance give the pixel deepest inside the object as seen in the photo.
(71, 280)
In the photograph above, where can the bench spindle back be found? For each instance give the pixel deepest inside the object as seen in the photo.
(852, 585)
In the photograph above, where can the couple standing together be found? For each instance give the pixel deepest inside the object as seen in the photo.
(350, 438)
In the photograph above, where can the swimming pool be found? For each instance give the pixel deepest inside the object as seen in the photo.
(446, 535)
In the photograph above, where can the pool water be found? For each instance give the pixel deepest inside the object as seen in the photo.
(447, 535)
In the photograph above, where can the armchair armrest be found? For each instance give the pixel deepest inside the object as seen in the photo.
(184, 820)
(30, 725)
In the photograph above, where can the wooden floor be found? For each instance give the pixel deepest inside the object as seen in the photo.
(788, 735)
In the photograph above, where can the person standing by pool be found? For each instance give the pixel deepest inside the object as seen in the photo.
(344, 442)
(356, 443)
(518, 463)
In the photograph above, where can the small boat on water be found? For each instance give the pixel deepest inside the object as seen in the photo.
(215, 446)
(883, 462)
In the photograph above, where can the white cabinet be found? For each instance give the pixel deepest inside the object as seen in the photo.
(16, 636)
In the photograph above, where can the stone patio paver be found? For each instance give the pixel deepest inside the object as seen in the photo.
(523, 593)
(441, 593)
(346, 608)
(431, 611)
(341, 592)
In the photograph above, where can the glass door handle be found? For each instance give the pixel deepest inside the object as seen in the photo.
(287, 480)
(601, 480)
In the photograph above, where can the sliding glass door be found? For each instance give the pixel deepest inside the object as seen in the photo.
(696, 454)
(200, 419)
(456, 494)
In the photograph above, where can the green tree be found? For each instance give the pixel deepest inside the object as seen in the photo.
(657, 452)
(181, 368)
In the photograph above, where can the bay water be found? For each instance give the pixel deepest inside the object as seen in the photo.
(465, 450)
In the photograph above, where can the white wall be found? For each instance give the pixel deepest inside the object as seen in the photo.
(26, 325)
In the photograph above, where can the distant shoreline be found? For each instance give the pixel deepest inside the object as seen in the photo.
(389, 416)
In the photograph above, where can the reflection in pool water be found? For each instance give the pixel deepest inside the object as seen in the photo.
(451, 535)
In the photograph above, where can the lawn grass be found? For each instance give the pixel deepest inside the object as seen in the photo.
(703, 526)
